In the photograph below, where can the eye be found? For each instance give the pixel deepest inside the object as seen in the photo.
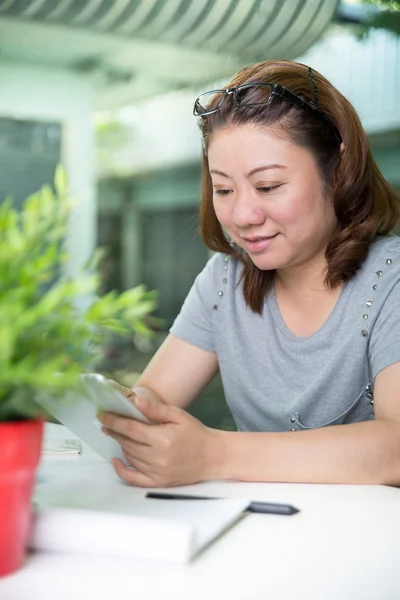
(267, 189)
(220, 192)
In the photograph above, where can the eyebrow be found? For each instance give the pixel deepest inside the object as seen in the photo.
(252, 172)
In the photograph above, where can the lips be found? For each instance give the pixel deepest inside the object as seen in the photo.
(256, 244)
(256, 238)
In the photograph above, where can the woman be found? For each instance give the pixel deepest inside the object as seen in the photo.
(299, 309)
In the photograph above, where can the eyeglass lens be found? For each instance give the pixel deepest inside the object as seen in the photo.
(252, 95)
(214, 98)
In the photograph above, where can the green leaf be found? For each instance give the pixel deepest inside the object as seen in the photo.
(60, 181)
(46, 340)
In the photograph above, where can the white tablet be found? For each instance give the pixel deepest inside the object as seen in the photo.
(80, 415)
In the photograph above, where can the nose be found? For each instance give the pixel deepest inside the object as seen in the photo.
(247, 210)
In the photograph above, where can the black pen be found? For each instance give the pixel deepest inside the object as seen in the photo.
(255, 507)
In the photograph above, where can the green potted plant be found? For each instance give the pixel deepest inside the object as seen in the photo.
(51, 329)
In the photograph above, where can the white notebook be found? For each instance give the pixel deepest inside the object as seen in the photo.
(91, 516)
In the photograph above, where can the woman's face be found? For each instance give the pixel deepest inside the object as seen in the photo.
(268, 196)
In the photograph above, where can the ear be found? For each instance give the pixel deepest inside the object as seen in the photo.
(341, 148)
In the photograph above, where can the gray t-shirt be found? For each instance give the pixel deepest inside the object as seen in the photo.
(276, 381)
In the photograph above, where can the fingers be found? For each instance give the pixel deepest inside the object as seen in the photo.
(134, 451)
(158, 412)
(127, 392)
(137, 464)
(129, 428)
(132, 477)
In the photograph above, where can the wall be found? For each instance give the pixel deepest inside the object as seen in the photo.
(367, 72)
(165, 133)
(160, 244)
(33, 93)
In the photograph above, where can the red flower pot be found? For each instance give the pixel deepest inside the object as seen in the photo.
(20, 444)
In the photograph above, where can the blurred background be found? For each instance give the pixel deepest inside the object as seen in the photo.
(106, 87)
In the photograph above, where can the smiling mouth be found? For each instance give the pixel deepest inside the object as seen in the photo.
(259, 238)
(256, 244)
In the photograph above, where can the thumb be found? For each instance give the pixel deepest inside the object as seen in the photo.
(158, 412)
(127, 392)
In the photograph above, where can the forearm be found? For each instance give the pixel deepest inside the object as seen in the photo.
(367, 453)
(178, 372)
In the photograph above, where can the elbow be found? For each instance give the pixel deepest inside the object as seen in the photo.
(392, 476)
(389, 471)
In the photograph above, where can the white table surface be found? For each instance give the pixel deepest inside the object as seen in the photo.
(343, 545)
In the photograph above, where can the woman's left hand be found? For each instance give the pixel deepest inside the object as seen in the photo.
(176, 450)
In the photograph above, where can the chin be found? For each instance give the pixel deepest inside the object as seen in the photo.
(267, 264)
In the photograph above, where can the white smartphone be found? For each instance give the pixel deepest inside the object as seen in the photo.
(108, 398)
(80, 414)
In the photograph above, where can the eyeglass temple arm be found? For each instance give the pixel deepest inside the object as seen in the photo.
(289, 96)
(315, 88)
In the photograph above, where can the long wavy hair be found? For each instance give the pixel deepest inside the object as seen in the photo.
(364, 203)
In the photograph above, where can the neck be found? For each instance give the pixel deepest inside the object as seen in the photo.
(303, 279)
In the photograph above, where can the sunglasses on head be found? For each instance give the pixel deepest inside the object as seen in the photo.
(212, 101)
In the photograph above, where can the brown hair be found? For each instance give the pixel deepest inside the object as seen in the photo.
(364, 203)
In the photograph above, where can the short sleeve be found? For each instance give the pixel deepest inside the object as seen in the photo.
(194, 322)
(384, 348)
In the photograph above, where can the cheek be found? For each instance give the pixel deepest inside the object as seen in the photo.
(290, 213)
(302, 210)
(222, 212)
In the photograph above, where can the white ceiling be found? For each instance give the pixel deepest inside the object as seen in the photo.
(135, 49)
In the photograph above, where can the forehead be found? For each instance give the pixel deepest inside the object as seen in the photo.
(249, 143)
